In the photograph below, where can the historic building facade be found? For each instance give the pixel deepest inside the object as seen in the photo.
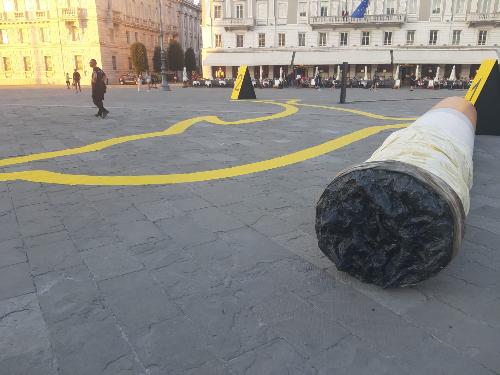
(42, 40)
(189, 23)
(267, 34)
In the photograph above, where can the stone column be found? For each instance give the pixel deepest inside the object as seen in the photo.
(473, 6)
(207, 71)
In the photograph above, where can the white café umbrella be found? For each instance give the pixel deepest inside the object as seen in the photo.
(396, 75)
(281, 73)
(338, 73)
(184, 75)
(417, 72)
(437, 74)
(453, 74)
(261, 73)
(366, 73)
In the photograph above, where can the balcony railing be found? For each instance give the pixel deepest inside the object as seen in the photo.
(24, 17)
(73, 14)
(117, 16)
(19, 16)
(42, 14)
(379, 19)
(483, 18)
(235, 23)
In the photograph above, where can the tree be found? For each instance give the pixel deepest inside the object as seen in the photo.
(190, 61)
(175, 56)
(157, 60)
(139, 57)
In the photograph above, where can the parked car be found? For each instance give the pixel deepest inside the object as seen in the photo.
(128, 79)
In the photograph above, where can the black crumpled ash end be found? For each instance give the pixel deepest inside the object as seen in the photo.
(386, 223)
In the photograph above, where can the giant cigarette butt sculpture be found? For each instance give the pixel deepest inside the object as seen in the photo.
(398, 218)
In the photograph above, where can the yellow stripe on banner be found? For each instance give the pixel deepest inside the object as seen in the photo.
(178, 178)
(479, 81)
(239, 81)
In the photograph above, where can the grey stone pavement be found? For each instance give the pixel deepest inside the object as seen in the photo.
(225, 276)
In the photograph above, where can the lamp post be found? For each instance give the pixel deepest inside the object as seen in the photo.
(164, 81)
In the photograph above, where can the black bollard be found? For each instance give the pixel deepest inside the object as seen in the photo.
(343, 85)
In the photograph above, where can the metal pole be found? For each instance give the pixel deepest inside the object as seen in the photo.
(343, 86)
(164, 82)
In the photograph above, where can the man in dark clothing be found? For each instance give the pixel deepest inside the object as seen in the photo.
(98, 88)
(76, 81)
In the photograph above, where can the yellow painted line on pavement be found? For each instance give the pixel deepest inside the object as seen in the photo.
(178, 178)
(289, 108)
(357, 112)
(178, 128)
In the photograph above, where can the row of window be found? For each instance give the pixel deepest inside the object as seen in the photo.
(365, 38)
(484, 6)
(128, 34)
(78, 60)
(24, 35)
(7, 63)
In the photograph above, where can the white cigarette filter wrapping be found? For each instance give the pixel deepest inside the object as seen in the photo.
(440, 142)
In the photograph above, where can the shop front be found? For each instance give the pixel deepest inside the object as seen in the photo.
(359, 71)
(384, 71)
(218, 72)
(406, 71)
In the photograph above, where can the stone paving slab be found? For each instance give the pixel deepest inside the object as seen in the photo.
(223, 276)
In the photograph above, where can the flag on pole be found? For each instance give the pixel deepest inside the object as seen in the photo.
(360, 10)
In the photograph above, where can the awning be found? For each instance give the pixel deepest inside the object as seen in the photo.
(250, 58)
(337, 56)
(443, 56)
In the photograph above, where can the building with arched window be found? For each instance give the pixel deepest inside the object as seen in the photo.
(305, 34)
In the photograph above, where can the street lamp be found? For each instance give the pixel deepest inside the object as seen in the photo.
(164, 81)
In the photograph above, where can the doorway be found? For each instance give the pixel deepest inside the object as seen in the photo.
(405, 73)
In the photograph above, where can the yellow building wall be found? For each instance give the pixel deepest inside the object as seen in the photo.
(142, 25)
(84, 28)
(72, 36)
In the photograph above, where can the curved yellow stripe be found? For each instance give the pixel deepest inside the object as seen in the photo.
(177, 178)
(178, 128)
(357, 112)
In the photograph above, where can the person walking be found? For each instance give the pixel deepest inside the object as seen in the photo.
(68, 83)
(76, 81)
(375, 82)
(317, 81)
(139, 82)
(98, 88)
(148, 80)
(413, 82)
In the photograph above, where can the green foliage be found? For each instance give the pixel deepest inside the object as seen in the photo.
(190, 60)
(175, 56)
(139, 57)
(157, 60)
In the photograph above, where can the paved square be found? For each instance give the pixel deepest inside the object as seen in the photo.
(220, 274)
